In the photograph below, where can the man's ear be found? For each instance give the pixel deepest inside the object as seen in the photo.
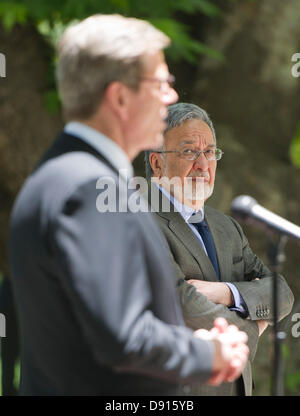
(156, 163)
(118, 97)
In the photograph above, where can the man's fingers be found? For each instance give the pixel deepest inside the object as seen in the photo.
(235, 371)
(234, 351)
(238, 363)
(204, 334)
(218, 378)
(234, 336)
(221, 324)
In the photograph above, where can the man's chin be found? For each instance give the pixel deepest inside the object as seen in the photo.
(200, 192)
(195, 204)
(197, 198)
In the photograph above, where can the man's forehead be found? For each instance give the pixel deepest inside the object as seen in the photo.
(190, 132)
(155, 64)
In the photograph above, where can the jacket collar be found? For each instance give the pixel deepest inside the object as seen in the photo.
(66, 143)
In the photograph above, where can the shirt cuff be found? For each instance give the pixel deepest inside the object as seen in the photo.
(239, 303)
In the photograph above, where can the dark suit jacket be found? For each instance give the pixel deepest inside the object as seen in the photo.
(97, 305)
(238, 264)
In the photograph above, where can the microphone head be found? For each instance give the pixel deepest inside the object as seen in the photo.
(242, 205)
(246, 209)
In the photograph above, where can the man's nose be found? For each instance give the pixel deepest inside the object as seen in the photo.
(170, 96)
(201, 162)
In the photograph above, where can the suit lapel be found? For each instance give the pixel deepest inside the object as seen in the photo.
(190, 241)
(183, 232)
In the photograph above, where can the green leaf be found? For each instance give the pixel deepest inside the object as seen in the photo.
(52, 32)
(295, 148)
(285, 351)
(208, 8)
(191, 6)
(293, 381)
(183, 45)
(12, 13)
(52, 102)
(121, 4)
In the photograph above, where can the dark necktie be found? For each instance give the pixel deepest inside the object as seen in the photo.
(205, 233)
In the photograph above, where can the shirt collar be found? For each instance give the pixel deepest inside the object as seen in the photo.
(104, 145)
(188, 214)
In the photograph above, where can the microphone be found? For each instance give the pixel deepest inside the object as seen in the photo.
(247, 208)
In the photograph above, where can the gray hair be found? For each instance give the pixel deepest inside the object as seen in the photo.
(177, 115)
(97, 51)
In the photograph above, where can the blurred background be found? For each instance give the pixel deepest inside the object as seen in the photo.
(232, 58)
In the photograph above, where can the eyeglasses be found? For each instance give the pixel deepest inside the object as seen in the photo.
(193, 154)
(162, 82)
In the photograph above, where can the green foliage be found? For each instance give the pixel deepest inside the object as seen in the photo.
(183, 46)
(52, 31)
(11, 13)
(295, 148)
(51, 101)
(192, 6)
(17, 375)
(51, 18)
(293, 382)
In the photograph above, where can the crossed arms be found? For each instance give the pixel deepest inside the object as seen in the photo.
(203, 301)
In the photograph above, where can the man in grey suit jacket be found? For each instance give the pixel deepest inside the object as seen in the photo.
(97, 305)
(216, 272)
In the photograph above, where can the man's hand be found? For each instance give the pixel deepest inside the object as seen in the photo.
(231, 351)
(217, 292)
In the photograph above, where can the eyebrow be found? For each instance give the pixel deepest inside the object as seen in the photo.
(193, 142)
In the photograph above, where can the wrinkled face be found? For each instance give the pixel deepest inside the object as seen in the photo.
(196, 177)
(148, 105)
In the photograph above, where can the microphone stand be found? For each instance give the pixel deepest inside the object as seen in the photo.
(276, 258)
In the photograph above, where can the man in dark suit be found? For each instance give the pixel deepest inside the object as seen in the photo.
(216, 272)
(96, 302)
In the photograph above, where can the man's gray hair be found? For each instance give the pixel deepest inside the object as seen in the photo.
(97, 51)
(177, 115)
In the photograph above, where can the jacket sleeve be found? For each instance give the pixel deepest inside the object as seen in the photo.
(200, 312)
(257, 294)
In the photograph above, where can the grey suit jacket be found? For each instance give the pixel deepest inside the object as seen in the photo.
(97, 304)
(238, 265)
